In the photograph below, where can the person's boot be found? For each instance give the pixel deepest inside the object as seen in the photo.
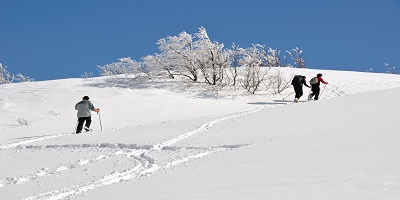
(87, 129)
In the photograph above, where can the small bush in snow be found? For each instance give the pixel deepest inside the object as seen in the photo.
(23, 122)
(7, 77)
(297, 55)
(87, 75)
(389, 69)
(279, 83)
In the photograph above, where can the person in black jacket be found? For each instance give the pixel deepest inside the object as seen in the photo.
(297, 83)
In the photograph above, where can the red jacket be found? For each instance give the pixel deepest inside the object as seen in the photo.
(321, 80)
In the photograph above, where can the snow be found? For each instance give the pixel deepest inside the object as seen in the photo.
(168, 140)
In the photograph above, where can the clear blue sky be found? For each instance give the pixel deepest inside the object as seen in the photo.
(52, 39)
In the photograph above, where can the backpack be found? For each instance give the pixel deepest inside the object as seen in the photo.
(314, 80)
(297, 80)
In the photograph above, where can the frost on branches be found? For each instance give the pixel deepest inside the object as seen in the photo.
(197, 58)
(123, 66)
(297, 55)
(7, 77)
(389, 69)
(256, 67)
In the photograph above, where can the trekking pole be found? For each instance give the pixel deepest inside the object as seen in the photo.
(76, 126)
(287, 96)
(322, 90)
(101, 127)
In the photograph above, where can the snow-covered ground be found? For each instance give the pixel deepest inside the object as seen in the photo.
(163, 140)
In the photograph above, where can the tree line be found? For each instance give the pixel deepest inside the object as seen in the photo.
(199, 59)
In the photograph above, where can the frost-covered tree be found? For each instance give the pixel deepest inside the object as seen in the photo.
(273, 57)
(234, 55)
(285, 62)
(7, 77)
(256, 67)
(123, 66)
(278, 82)
(389, 69)
(21, 78)
(178, 53)
(193, 57)
(158, 64)
(297, 55)
(87, 75)
(210, 57)
(198, 58)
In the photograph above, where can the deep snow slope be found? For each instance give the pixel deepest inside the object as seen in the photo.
(162, 140)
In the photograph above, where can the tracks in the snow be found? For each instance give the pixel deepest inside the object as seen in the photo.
(137, 160)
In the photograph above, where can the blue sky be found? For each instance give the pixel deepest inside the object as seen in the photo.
(50, 39)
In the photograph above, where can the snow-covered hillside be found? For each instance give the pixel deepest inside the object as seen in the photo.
(163, 140)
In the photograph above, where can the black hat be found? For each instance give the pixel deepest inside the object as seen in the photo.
(85, 98)
(319, 75)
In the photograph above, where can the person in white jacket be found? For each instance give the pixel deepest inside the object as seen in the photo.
(84, 114)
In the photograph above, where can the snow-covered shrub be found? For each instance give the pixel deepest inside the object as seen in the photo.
(23, 121)
(7, 77)
(273, 57)
(157, 65)
(123, 66)
(389, 69)
(195, 57)
(210, 57)
(278, 82)
(234, 55)
(297, 55)
(87, 75)
(256, 68)
(199, 59)
(178, 56)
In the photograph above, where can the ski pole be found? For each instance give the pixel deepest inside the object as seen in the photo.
(101, 127)
(287, 96)
(76, 126)
(322, 90)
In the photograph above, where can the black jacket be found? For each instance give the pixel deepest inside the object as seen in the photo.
(300, 84)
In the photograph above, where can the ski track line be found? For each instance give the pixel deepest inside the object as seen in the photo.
(72, 165)
(203, 128)
(16, 144)
(141, 167)
(42, 138)
(47, 172)
(194, 157)
(145, 166)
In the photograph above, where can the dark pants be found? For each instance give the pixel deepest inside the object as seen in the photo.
(299, 91)
(315, 91)
(82, 120)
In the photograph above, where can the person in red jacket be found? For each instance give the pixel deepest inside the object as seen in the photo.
(315, 88)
